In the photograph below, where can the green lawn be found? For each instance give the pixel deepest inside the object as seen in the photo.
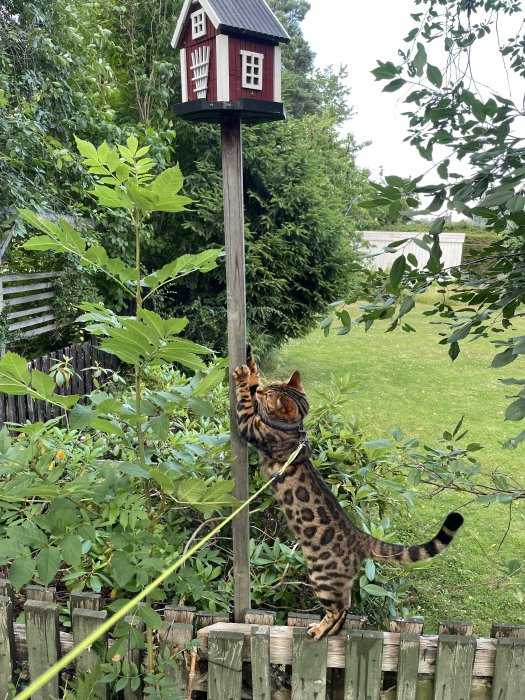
(407, 380)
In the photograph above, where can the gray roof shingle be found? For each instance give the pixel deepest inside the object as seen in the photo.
(252, 17)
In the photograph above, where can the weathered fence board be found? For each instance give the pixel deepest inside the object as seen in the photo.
(85, 356)
(84, 622)
(260, 652)
(43, 644)
(308, 666)
(509, 669)
(364, 651)
(225, 666)
(7, 646)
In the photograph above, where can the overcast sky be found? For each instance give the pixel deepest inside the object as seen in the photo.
(357, 34)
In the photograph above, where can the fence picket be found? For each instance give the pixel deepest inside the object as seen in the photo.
(308, 666)
(7, 647)
(364, 653)
(508, 669)
(174, 637)
(225, 666)
(83, 623)
(85, 600)
(43, 644)
(454, 665)
(260, 653)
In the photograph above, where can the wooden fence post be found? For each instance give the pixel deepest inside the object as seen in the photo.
(260, 658)
(7, 647)
(83, 623)
(225, 665)
(43, 644)
(454, 665)
(236, 309)
(308, 666)
(364, 655)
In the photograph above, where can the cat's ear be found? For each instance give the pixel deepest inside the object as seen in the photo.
(295, 381)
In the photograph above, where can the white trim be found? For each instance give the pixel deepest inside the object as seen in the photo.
(277, 96)
(183, 19)
(200, 68)
(184, 75)
(250, 85)
(198, 24)
(223, 67)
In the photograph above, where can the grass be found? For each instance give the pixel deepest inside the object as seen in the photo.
(406, 380)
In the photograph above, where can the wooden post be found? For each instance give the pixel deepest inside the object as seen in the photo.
(236, 309)
(7, 646)
(225, 665)
(308, 666)
(260, 655)
(43, 644)
(84, 622)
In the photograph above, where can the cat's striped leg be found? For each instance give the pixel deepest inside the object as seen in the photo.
(331, 623)
(249, 422)
(254, 380)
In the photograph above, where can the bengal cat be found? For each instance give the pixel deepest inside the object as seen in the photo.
(271, 418)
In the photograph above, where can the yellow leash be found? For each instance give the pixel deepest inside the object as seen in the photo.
(128, 607)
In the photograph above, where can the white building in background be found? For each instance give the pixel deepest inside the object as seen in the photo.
(451, 247)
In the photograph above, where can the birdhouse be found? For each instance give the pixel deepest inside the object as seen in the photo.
(230, 58)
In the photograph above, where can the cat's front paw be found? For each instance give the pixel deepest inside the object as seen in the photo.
(241, 374)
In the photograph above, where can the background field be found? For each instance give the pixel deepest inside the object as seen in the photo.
(407, 381)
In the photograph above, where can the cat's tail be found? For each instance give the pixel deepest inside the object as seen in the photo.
(418, 552)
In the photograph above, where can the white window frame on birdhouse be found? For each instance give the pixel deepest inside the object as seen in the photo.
(252, 70)
(198, 24)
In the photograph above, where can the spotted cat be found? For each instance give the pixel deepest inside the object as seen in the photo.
(271, 418)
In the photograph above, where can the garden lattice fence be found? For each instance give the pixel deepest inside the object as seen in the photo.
(263, 661)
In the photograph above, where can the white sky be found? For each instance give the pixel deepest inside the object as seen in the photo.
(357, 34)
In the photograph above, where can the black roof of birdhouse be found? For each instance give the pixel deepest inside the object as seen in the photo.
(247, 17)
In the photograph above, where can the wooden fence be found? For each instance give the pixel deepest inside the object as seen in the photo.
(27, 300)
(84, 356)
(263, 661)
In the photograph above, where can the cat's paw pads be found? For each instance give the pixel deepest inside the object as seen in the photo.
(241, 373)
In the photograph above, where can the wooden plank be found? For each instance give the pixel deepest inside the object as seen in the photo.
(260, 617)
(19, 289)
(7, 647)
(43, 644)
(407, 676)
(364, 652)
(231, 141)
(281, 648)
(174, 637)
(84, 600)
(84, 622)
(39, 331)
(506, 630)
(260, 653)
(308, 666)
(454, 666)
(30, 276)
(336, 676)
(225, 666)
(180, 613)
(508, 682)
(47, 595)
(463, 628)
(297, 619)
(30, 297)
(205, 619)
(28, 312)
(6, 589)
(412, 625)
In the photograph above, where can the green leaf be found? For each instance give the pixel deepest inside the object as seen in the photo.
(191, 491)
(71, 549)
(420, 59)
(378, 591)
(160, 427)
(394, 85)
(42, 383)
(407, 305)
(163, 480)
(503, 358)
(47, 564)
(434, 75)
(453, 350)
(165, 188)
(113, 198)
(201, 407)
(149, 616)
(397, 271)
(516, 410)
(385, 71)
(86, 149)
(210, 380)
(14, 374)
(370, 570)
(121, 568)
(21, 572)
(460, 333)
